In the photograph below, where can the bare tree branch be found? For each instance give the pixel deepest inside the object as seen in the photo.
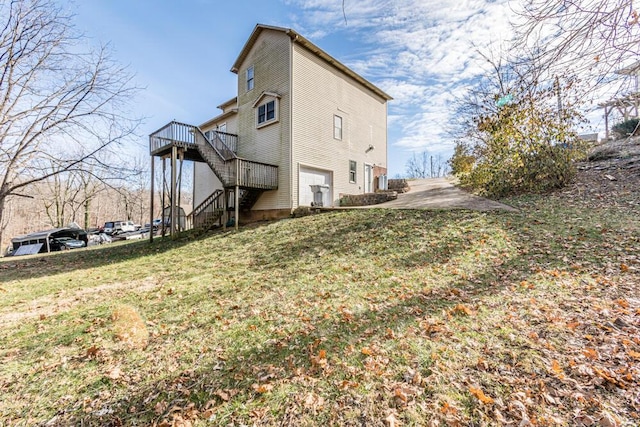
(61, 108)
(592, 38)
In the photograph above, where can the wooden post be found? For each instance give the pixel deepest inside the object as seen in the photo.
(164, 190)
(179, 203)
(237, 204)
(225, 215)
(174, 155)
(237, 194)
(153, 178)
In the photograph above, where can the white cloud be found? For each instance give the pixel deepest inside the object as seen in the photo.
(420, 52)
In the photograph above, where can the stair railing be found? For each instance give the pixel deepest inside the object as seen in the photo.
(208, 211)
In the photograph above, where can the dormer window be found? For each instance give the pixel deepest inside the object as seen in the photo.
(250, 80)
(266, 107)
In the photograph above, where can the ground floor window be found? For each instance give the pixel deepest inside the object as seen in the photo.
(352, 171)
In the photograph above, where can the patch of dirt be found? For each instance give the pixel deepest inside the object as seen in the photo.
(611, 175)
(67, 299)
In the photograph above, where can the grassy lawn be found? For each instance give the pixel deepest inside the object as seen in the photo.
(365, 317)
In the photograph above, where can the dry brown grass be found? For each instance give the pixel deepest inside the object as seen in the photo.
(129, 328)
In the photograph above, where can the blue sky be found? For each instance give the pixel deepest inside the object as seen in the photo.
(419, 51)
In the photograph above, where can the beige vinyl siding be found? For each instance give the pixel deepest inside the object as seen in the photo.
(269, 57)
(320, 92)
(231, 121)
(205, 182)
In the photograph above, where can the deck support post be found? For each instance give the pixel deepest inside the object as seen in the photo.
(174, 210)
(153, 178)
(163, 203)
(225, 215)
(237, 206)
(237, 194)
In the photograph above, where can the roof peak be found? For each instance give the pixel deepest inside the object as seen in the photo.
(302, 41)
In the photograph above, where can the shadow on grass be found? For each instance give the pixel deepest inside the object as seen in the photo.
(280, 358)
(227, 382)
(28, 267)
(375, 233)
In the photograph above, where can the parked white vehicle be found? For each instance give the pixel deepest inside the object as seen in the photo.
(115, 227)
(127, 226)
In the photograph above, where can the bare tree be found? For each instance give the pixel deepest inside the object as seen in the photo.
(59, 105)
(587, 36)
(417, 166)
(426, 166)
(57, 196)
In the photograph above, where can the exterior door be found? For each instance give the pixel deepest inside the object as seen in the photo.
(368, 178)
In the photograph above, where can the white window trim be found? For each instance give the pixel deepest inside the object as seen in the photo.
(354, 170)
(335, 116)
(276, 113)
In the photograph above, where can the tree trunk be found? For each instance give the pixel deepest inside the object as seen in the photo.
(2, 200)
(87, 205)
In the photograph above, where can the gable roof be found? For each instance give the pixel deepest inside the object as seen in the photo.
(232, 101)
(219, 117)
(297, 38)
(262, 95)
(230, 112)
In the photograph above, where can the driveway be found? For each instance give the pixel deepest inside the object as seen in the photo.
(440, 193)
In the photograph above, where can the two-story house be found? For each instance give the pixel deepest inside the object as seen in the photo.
(300, 118)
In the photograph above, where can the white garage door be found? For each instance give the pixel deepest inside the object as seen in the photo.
(308, 177)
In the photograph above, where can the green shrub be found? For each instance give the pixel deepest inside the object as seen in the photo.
(627, 128)
(462, 161)
(520, 148)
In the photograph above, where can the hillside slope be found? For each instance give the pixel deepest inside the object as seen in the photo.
(367, 317)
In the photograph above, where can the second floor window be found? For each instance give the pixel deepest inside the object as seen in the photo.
(250, 80)
(337, 127)
(266, 112)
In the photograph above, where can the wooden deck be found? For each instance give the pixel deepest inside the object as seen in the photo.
(232, 170)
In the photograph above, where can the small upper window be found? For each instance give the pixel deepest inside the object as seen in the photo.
(337, 127)
(352, 171)
(266, 112)
(250, 80)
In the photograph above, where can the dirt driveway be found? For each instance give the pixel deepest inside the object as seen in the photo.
(440, 193)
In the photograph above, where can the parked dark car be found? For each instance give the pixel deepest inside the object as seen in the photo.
(65, 243)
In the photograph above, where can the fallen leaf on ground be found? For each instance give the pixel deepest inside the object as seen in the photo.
(262, 388)
(479, 394)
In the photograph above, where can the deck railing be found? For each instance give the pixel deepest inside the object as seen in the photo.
(214, 141)
(257, 175)
(173, 133)
(219, 152)
(230, 140)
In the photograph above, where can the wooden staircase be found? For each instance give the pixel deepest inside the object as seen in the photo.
(249, 178)
(206, 214)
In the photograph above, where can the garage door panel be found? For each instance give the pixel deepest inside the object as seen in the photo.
(308, 177)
